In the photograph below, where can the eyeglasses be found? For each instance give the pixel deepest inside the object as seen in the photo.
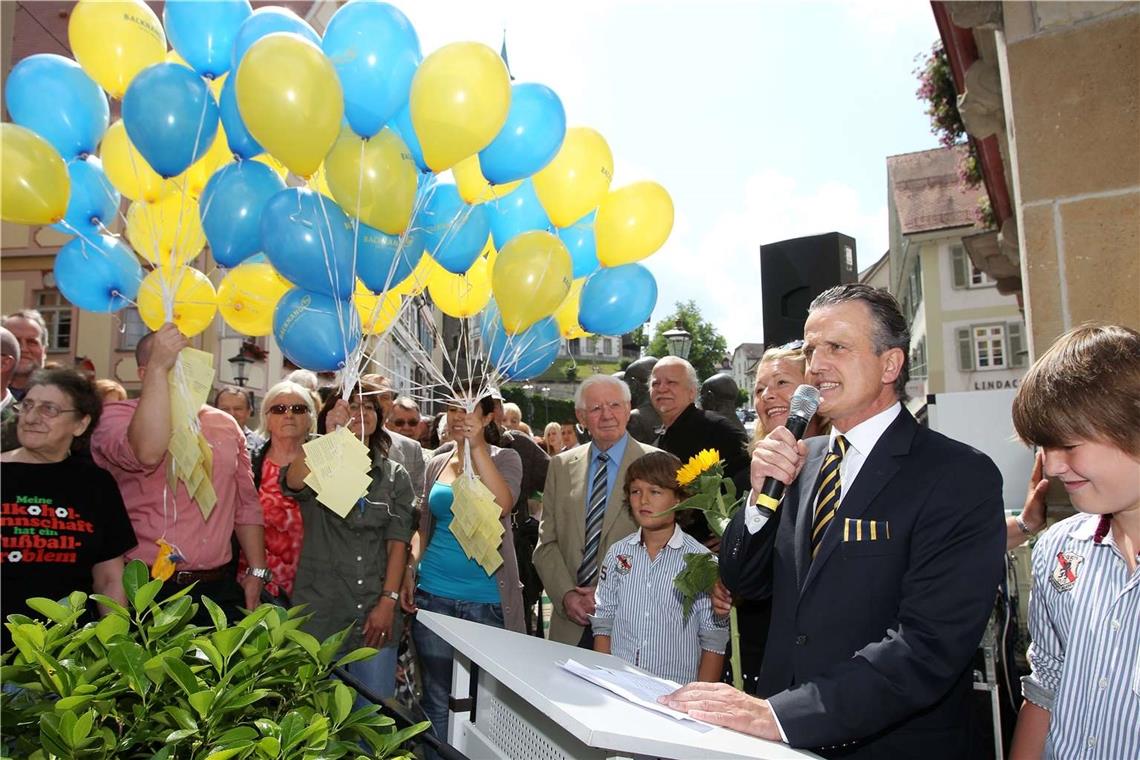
(47, 409)
(404, 423)
(294, 408)
(355, 408)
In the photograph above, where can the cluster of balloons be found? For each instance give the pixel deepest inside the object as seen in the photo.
(419, 173)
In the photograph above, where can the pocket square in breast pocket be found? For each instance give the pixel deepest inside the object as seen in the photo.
(865, 530)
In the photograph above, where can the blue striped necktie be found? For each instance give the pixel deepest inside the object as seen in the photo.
(594, 515)
(827, 493)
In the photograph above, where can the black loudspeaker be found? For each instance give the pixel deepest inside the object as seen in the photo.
(793, 272)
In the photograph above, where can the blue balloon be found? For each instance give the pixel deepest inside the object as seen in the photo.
(579, 240)
(315, 331)
(53, 96)
(93, 201)
(381, 262)
(536, 125)
(617, 300)
(309, 241)
(231, 208)
(375, 51)
(171, 117)
(517, 212)
(239, 139)
(525, 354)
(203, 32)
(98, 273)
(454, 232)
(401, 124)
(265, 21)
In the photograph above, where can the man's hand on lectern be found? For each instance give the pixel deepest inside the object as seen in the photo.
(722, 705)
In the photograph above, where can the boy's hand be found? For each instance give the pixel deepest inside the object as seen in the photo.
(721, 599)
(1033, 513)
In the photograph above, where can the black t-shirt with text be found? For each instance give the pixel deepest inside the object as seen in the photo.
(56, 522)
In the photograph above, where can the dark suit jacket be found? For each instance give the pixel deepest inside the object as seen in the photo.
(870, 645)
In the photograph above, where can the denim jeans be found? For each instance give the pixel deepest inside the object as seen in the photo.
(378, 673)
(435, 654)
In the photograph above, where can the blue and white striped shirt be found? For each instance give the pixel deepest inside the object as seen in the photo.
(638, 607)
(1084, 624)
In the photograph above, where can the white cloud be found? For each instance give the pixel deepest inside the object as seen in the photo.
(721, 269)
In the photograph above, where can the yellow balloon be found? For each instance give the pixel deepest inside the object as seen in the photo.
(213, 159)
(414, 283)
(188, 293)
(35, 185)
(566, 315)
(473, 187)
(461, 295)
(129, 172)
(167, 233)
(459, 101)
(247, 296)
(273, 164)
(531, 277)
(632, 222)
(576, 181)
(377, 312)
(373, 180)
(114, 40)
(290, 100)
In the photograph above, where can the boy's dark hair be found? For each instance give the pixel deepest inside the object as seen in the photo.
(1083, 388)
(657, 467)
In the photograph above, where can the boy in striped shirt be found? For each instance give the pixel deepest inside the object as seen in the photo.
(638, 615)
(1080, 402)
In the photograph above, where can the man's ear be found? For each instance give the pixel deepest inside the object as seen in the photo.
(893, 360)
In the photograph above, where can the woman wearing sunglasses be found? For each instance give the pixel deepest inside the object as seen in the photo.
(287, 419)
(65, 527)
(351, 568)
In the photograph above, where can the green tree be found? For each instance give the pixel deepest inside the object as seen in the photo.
(709, 346)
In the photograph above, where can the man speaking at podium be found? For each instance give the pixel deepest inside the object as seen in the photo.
(886, 552)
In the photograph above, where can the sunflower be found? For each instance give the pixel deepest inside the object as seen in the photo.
(698, 464)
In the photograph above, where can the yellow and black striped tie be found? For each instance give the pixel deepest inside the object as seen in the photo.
(827, 494)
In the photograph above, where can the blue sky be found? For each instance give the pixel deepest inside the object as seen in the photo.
(764, 120)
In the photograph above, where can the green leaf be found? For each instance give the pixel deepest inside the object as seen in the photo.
(356, 655)
(316, 735)
(224, 754)
(182, 717)
(29, 638)
(110, 627)
(216, 613)
(82, 728)
(308, 642)
(342, 703)
(171, 615)
(267, 727)
(181, 674)
(146, 593)
(53, 611)
(52, 736)
(177, 736)
(237, 734)
(115, 608)
(245, 700)
(227, 640)
(74, 702)
(135, 575)
(201, 701)
(269, 746)
(212, 654)
(56, 674)
(292, 727)
(699, 576)
(128, 658)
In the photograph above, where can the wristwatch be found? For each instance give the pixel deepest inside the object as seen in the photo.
(263, 574)
(393, 595)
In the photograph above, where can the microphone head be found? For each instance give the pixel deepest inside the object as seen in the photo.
(805, 402)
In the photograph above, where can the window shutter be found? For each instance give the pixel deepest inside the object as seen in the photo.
(965, 349)
(960, 264)
(1017, 353)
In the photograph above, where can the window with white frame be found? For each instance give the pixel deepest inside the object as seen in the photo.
(966, 275)
(989, 347)
(57, 313)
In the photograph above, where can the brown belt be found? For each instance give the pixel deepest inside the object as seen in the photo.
(186, 577)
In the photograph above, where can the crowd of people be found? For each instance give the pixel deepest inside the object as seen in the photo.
(861, 594)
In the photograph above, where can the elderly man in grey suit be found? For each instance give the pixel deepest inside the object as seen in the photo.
(404, 451)
(582, 510)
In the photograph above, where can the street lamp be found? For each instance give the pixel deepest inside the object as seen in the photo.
(546, 402)
(679, 340)
(239, 362)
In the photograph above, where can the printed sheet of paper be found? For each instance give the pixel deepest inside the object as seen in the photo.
(190, 453)
(338, 470)
(639, 688)
(476, 522)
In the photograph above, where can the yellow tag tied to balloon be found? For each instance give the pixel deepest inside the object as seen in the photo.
(35, 184)
(247, 296)
(459, 101)
(531, 277)
(129, 172)
(377, 312)
(189, 294)
(114, 40)
(290, 100)
(576, 181)
(461, 295)
(374, 179)
(473, 187)
(168, 232)
(632, 222)
(566, 315)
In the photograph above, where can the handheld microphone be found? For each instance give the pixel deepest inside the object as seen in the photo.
(800, 411)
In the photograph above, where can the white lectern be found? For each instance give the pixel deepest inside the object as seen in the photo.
(526, 707)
